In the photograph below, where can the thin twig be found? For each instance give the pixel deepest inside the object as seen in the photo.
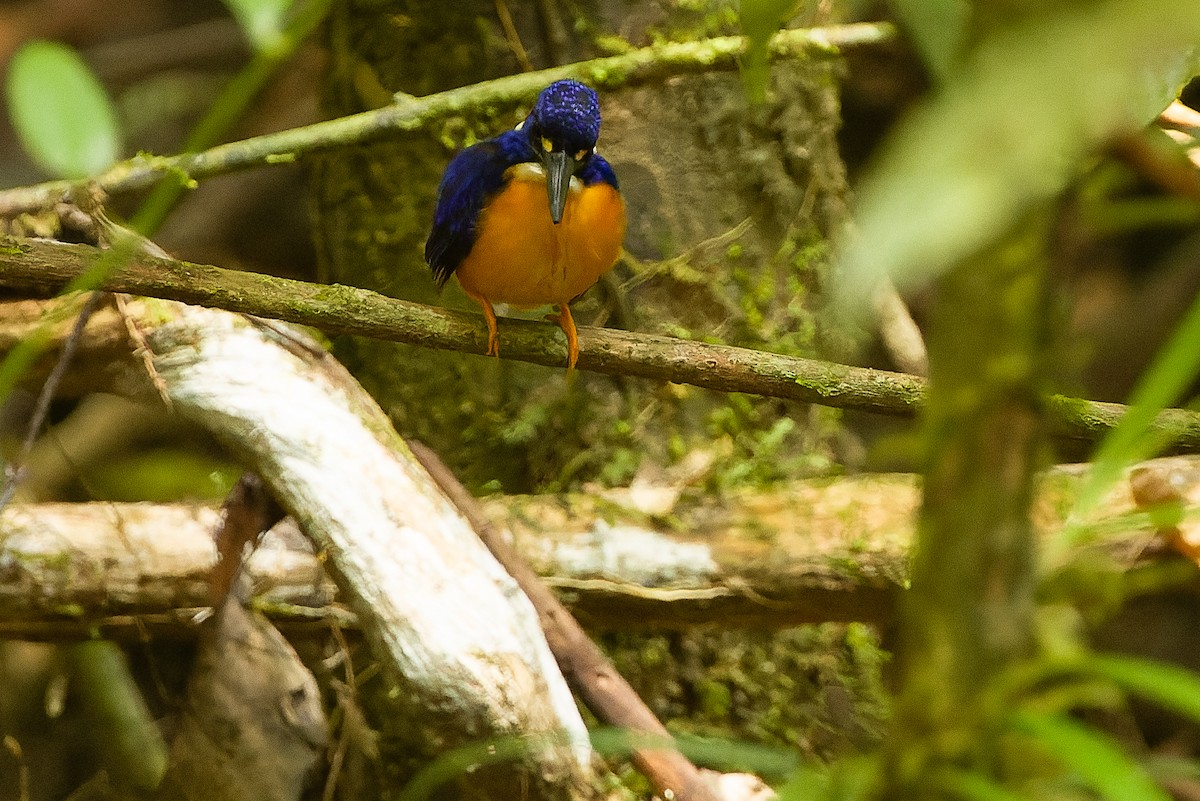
(15, 470)
(555, 31)
(899, 332)
(514, 38)
(1155, 157)
(13, 746)
(584, 665)
(247, 512)
(141, 348)
(410, 113)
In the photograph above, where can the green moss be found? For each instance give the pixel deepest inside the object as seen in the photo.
(816, 688)
(157, 312)
(12, 246)
(714, 700)
(70, 610)
(58, 562)
(611, 45)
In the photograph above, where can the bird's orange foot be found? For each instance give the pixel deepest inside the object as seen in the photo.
(489, 314)
(567, 323)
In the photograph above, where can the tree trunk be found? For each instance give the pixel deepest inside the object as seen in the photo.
(728, 217)
(969, 614)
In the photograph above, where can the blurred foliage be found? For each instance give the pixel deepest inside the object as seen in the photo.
(761, 20)
(1009, 130)
(163, 475)
(1010, 124)
(63, 116)
(938, 29)
(261, 20)
(1094, 759)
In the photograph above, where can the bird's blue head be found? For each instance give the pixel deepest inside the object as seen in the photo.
(562, 130)
(567, 113)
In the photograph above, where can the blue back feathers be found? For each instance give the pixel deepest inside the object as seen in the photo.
(567, 113)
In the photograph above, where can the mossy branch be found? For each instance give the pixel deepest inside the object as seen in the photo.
(43, 268)
(412, 113)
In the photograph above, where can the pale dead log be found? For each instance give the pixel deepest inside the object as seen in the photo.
(88, 561)
(810, 551)
(457, 638)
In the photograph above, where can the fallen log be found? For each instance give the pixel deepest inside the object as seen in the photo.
(809, 551)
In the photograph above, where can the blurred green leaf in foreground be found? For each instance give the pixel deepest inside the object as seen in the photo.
(62, 115)
(1010, 129)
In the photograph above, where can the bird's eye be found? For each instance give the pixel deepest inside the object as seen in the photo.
(547, 145)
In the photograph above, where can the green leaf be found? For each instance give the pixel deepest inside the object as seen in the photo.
(938, 29)
(61, 113)
(729, 756)
(1009, 130)
(1166, 685)
(972, 786)
(808, 783)
(716, 752)
(1096, 760)
(1173, 370)
(854, 778)
(760, 20)
(261, 20)
(459, 761)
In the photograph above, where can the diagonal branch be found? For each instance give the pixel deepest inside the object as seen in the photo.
(410, 113)
(583, 664)
(42, 268)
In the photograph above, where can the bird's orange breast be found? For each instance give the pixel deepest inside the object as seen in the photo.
(521, 257)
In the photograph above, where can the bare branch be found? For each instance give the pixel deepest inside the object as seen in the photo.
(411, 113)
(43, 268)
(584, 665)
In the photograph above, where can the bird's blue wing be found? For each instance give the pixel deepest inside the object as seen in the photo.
(598, 171)
(470, 181)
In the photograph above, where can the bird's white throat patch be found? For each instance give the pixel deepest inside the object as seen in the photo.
(532, 171)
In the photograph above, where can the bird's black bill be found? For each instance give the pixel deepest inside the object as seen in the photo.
(559, 167)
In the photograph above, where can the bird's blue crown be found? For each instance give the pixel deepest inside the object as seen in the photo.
(568, 114)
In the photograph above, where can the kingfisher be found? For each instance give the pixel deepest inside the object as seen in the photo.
(532, 217)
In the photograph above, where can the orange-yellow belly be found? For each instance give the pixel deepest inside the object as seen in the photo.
(521, 257)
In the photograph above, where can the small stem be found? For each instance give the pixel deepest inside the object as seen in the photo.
(227, 109)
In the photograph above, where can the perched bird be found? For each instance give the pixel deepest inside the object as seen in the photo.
(533, 216)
